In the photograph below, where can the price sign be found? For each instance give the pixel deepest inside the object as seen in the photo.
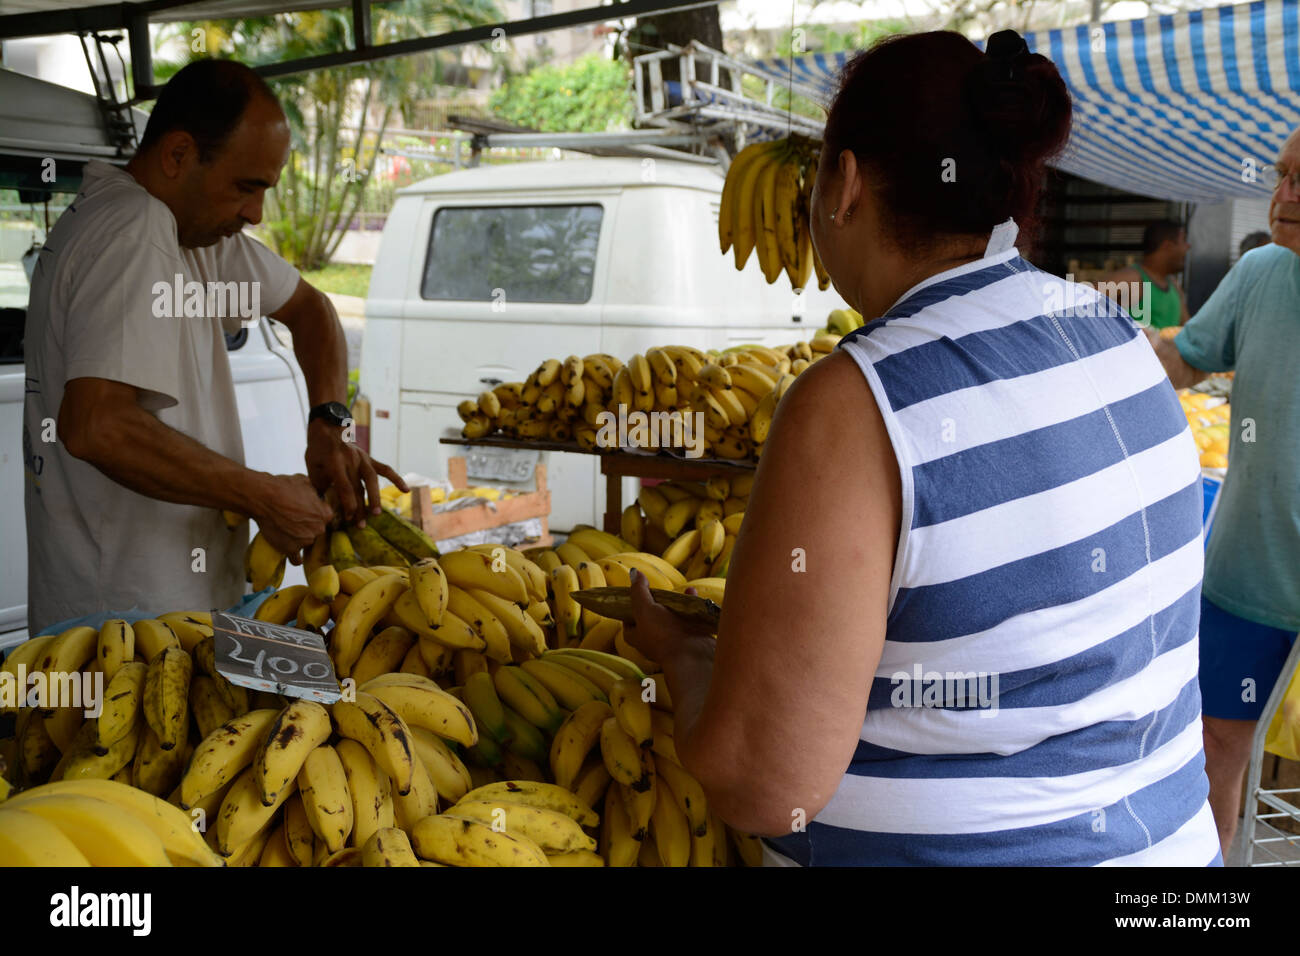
(273, 658)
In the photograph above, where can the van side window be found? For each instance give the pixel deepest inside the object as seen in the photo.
(528, 253)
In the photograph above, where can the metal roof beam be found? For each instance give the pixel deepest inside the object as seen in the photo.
(554, 21)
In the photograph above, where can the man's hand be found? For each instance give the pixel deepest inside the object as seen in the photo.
(291, 515)
(354, 475)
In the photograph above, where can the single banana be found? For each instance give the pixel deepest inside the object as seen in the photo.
(534, 577)
(547, 796)
(116, 646)
(152, 637)
(592, 781)
(632, 711)
(618, 844)
(422, 703)
(190, 627)
(522, 630)
(155, 769)
(223, 755)
(486, 624)
(417, 803)
(785, 206)
(622, 756)
(552, 831)
(764, 212)
(264, 564)
(363, 611)
(459, 842)
(370, 790)
(480, 696)
(325, 798)
(324, 583)
(27, 839)
(282, 606)
(88, 763)
(525, 740)
(601, 637)
(166, 696)
(671, 833)
(451, 778)
(295, 732)
(390, 846)
(632, 525)
(373, 548)
(379, 729)
(453, 632)
(574, 740)
(686, 791)
(568, 613)
(685, 545)
(383, 654)
(297, 836)
(405, 536)
(747, 180)
(123, 699)
(619, 665)
(640, 804)
(243, 815)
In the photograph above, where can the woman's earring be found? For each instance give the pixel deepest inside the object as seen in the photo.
(837, 209)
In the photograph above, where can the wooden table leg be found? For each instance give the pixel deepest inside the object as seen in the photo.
(613, 503)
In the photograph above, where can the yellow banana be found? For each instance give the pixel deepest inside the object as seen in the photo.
(116, 646)
(363, 611)
(571, 689)
(264, 564)
(524, 632)
(429, 584)
(298, 836)
(325, 798)
(574, 740)
(459, 842)
(451, 778)
(592, 781)
(552, 831)
(383, 653)
(686, 791)
(422, 703)
(295, 732)
(389, 846)
(379, 729)
(618, 843)
(166, 696)
(369, 788)
(282, 606)
(475, 570)
(223, 755)
(324, 583)
(526, 695)
(622, 756)
(486, 624)
(568, 614)
(547, 796)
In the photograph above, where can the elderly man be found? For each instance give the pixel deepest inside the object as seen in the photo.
(148, 448)
(1250, 604)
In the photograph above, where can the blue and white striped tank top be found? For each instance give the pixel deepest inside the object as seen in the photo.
(1037, 700)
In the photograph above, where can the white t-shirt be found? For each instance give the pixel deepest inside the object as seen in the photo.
(98, 309)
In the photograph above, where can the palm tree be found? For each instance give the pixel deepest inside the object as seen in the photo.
(330, 163)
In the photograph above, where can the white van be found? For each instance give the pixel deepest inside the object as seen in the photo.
(484, 273)
(40, 120)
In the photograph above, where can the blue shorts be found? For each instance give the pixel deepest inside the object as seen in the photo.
(1234, 650)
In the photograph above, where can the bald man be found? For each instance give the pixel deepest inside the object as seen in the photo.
(132, 367)
(1250, 598)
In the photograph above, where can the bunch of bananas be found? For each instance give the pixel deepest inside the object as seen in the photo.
(735, 390)
(90, 822)
(765, 208)
(690, 524)
(388, 538)
(400, 501)
(467, 734)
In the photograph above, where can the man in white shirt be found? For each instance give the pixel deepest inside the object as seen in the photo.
(131, 430)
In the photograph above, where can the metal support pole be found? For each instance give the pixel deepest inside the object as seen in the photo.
(361, 32)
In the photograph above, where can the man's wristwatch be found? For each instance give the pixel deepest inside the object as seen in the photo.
(335, 413)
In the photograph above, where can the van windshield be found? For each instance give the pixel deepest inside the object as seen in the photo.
(512, 253)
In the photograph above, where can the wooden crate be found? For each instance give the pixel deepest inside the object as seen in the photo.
(452, 524)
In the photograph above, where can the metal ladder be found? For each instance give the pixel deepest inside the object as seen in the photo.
(706, 98)
(1277, 808)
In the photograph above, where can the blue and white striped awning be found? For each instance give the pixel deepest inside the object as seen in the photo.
(1191, 107)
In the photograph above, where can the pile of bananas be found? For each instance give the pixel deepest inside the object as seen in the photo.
(736, 390)
(1211, 423)
(400, 501)
(692, 525)
(486, 715)
(764, 208)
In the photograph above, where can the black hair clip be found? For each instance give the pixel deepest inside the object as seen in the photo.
(1009, 47)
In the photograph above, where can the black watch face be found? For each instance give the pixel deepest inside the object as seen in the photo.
(336, 413)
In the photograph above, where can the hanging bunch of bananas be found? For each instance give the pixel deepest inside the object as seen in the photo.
(475, 686)
(765, 209)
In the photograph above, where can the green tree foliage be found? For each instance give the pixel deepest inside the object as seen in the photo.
(590, 95)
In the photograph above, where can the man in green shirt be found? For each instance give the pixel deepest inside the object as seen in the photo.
(1250, 596)
(1155, 299)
